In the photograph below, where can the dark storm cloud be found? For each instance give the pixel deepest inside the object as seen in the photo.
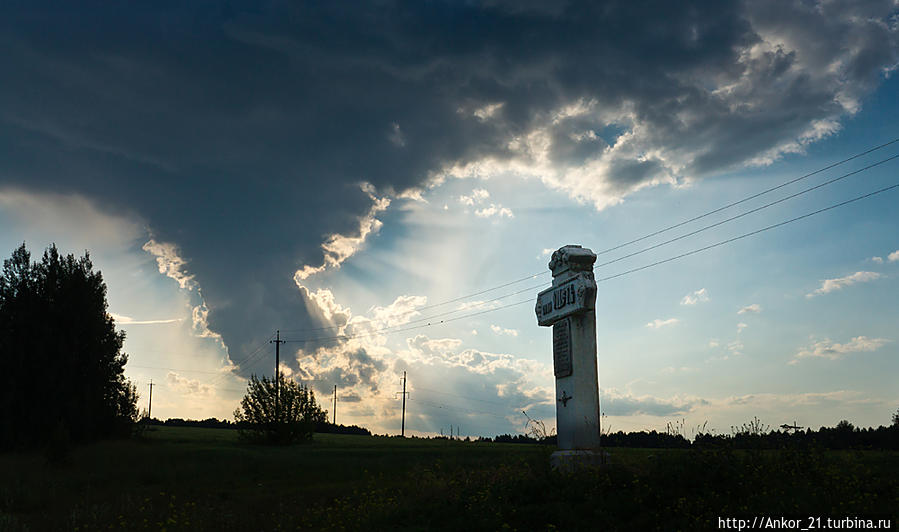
(241, 131)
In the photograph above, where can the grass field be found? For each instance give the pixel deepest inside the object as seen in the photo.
(204, 479)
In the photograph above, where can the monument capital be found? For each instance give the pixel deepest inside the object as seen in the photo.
(571, 258)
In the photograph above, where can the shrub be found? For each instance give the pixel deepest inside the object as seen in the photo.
(284, 414)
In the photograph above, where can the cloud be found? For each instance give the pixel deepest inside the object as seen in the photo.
(479, 304)
(754, 308)
(671, 370)
(477, 195)
(339, 247)
(876, 260)
(494, 210)
(615, 403)
(74, 218)
(488, 111)
(240, 144)
(659, 323)
(200, 323)
(186, 386)
(816, 399)
(396, 135)
(502, 331)
(834, 351)
(350, 397)
(353, 365)
(699, 296)
(894, 256)
(401, 311)
(170, 262)
(127, 320)
(768, 69)
(831, 285)
(740, 327)
(361, 362)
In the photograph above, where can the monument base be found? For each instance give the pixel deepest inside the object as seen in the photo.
(568, 461)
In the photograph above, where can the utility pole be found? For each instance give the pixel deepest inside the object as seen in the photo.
(278, 341)
(334, 413)
(404, 392)
(150, 406)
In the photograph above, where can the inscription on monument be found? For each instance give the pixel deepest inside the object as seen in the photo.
(560, 301)
(562, 348)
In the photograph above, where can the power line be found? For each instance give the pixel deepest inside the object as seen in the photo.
(454, 300)
(748, 198)
(419, 320)
(382, 331)
(222, 374)
(744, 235)
(633, 270)
(746, 213)
(254, 355)
(663, 230)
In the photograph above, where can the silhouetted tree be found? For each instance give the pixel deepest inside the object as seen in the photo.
(291, 418)
(896, 418)
(61, 365)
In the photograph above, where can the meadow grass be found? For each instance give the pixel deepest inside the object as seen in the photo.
(205, 479)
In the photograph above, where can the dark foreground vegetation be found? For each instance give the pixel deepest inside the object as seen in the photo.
(752, 435)
(182, 478)
(321, 427)
(61, 361)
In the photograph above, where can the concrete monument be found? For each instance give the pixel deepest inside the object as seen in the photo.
(569, 306)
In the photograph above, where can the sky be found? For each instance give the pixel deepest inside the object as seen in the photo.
(346, 174)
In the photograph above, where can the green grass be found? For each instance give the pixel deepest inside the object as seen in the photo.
(205, 479)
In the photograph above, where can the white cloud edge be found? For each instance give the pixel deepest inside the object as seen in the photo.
(832, 285)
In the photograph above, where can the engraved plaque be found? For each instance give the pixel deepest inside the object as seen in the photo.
(562, 348)
(559, 301)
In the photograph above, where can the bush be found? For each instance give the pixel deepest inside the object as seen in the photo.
(281, 415)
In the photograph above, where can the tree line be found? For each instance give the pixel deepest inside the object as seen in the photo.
(321, 427)
(843, 436)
